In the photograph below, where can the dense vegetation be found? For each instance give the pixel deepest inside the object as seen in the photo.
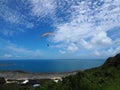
(105, 77)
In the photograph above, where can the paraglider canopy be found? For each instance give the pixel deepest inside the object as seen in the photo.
(47, 34)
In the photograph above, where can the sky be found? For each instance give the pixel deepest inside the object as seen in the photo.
(81, 28)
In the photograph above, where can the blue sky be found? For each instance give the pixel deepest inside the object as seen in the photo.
(82, 29)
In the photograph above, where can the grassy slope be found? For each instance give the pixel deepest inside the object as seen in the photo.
(106, 77)
(94, 79)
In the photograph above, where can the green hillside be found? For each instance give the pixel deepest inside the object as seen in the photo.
(105, 77)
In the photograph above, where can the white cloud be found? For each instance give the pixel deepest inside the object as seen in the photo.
(14, 18)
(11, 32)
(7, 56)
(15, 51)
(97, 53)
(109, 52)
(101, 39)
(23, 51)
(7, 32)
(72, 47)
(85, 44)
(88, 26)
(8, 14)
(62, 52)
(42, 8)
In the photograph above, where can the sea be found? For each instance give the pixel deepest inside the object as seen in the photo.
(49, 65)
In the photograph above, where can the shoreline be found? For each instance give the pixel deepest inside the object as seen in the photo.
(21, 75)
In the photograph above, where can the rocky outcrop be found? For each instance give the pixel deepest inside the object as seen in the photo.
(113, 61)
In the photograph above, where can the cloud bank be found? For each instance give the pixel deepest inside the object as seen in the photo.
(88, 27)
(11, 50)
(81, 26)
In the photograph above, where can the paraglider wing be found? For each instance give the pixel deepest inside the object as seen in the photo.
(46, 34)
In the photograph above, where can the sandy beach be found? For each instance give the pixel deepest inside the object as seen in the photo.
(17, 75)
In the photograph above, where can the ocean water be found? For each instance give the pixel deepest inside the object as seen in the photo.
(50, 66)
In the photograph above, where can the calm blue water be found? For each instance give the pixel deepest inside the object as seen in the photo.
(47, 66)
